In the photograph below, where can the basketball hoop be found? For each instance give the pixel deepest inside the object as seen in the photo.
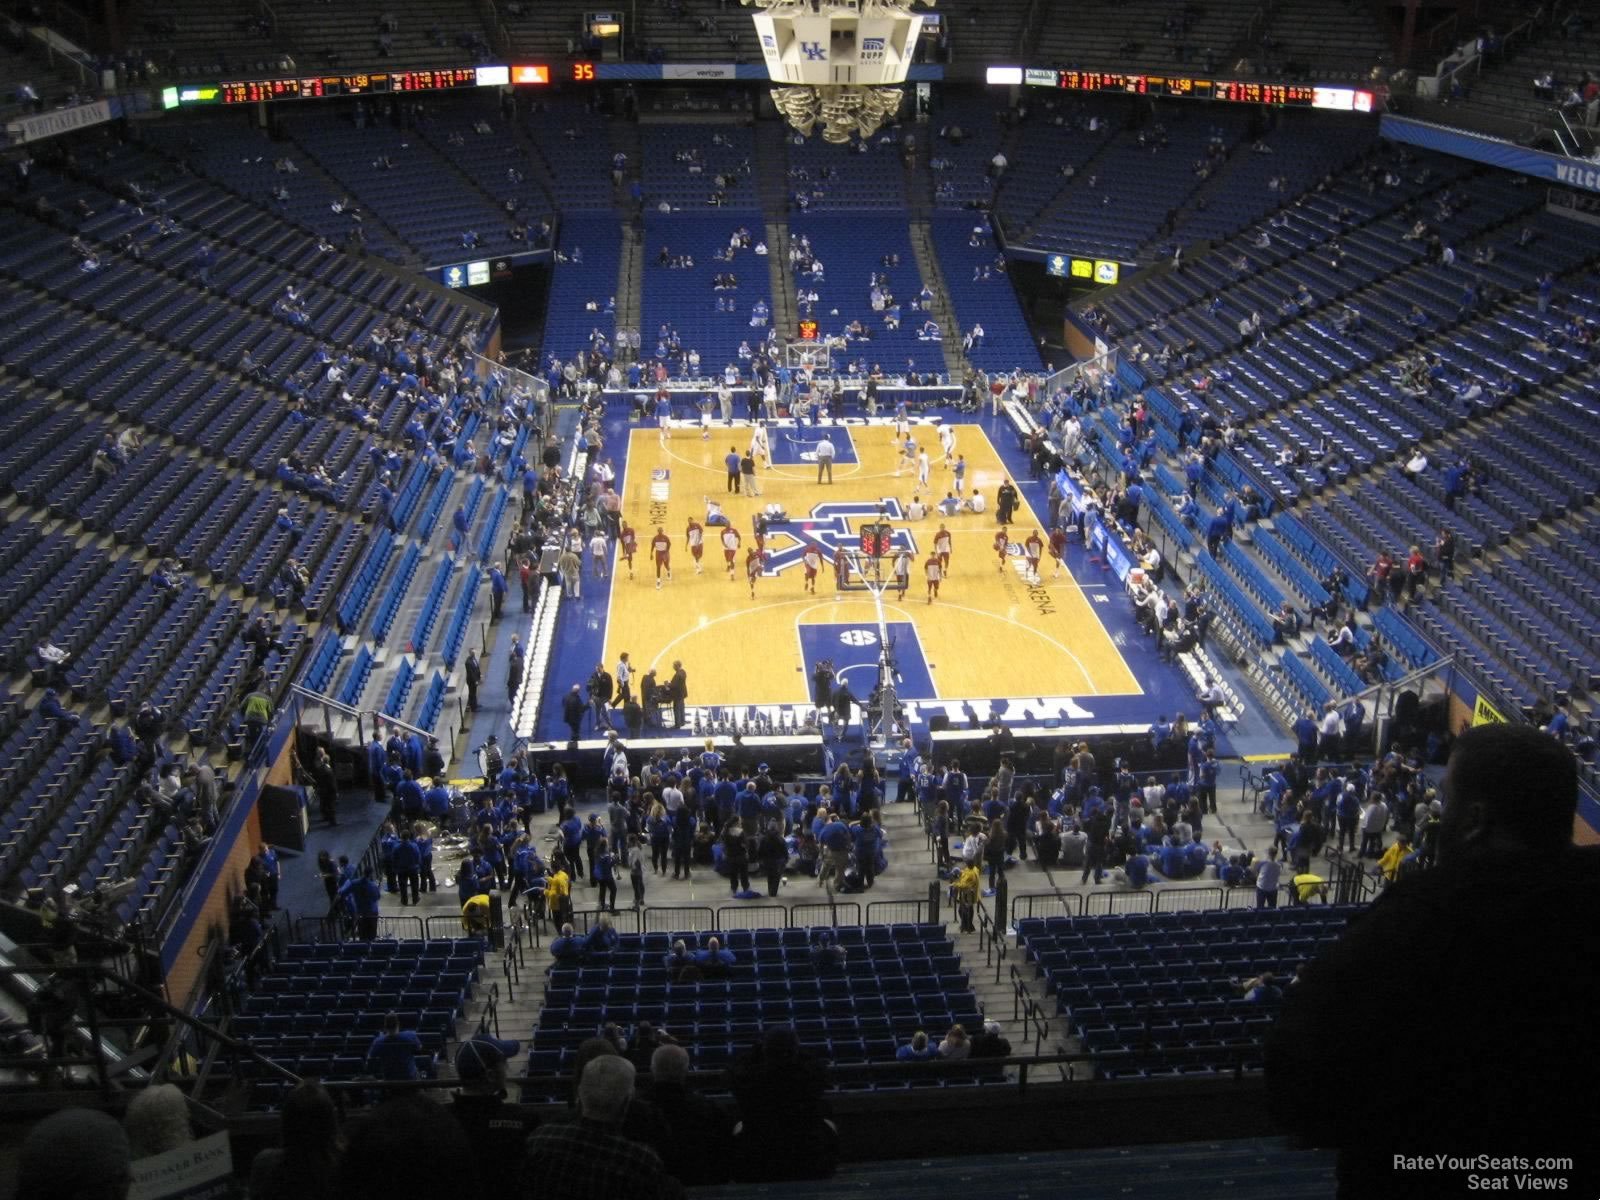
(855, 570)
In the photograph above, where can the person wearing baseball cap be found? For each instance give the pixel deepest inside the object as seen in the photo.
(496, 1130)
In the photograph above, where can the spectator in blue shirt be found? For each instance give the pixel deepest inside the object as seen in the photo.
(1306, 736)
(603, 938)
(568, 949)
(394, 1052)
(917, 1049)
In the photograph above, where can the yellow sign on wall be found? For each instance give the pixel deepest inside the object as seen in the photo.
(1484, 713)
(1106, 272)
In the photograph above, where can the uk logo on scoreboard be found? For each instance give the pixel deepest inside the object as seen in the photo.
(814, 51)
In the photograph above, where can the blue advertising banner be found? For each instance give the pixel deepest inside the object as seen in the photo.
(1479, 147)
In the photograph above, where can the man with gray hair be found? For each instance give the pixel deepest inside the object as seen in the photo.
(696, 1151)
(589, 1157)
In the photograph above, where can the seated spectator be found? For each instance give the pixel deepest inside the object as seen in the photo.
(779, 1090)
(602, 939)
(157, 1120)
(52, 709)
(1505, 863)
(306, 1165)
(591, 1157)
(381, 1157)
(74, 1154)
(991, 1042)
(1286, 621)
(714, 961)
(955, 1046)
(1261, 989)
(917, 1049)
(698, 1126)
(826, 953)
(393, 1053)
(568, 949)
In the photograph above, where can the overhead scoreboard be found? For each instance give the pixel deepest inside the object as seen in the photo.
(1190, 87)
(374, 83)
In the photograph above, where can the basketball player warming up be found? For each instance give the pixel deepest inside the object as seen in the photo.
(661, 549)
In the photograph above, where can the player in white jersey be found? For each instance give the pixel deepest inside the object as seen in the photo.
(902, 572)
(947, 442)
(922, 468)
(760, 447)
(811, 560)
(1033, 551)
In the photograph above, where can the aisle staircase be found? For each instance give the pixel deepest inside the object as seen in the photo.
(943, 312)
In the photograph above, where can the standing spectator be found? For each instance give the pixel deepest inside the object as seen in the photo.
(1269, 872)
(497, 591)
(736, 856)
(407, 859)
(1374, 821)
(473, 674)
(516, 666)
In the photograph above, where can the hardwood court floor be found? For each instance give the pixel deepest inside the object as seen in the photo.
(990, 634)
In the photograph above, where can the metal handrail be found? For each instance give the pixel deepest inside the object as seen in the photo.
(306, 695)
(96, 974)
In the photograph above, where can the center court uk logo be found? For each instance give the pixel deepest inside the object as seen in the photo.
(830, 528)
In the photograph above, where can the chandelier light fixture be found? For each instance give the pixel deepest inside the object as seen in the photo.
(837, 64)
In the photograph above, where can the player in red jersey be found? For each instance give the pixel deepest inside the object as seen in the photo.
(935, 573)
(942, 542)
(811, 560)
(730, 547)
(1058, 548)
(628, 542)
(902, 572)
(1033, 550)
(661, 549)
(1002, 546)
(754, 563)
(694, 536)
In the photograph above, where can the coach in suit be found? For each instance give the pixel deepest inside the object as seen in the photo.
(678, 689)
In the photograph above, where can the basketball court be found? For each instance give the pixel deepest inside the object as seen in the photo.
(990, 634)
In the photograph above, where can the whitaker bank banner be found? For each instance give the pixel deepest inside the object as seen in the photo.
(1578, 173)
(59, 121)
